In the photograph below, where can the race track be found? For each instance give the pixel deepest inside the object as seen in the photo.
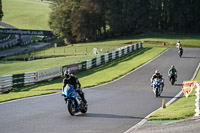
(113, 107)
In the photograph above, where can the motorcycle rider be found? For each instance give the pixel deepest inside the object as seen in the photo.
(159, 76)
(178, 44)
(172, 70)
(73, 80)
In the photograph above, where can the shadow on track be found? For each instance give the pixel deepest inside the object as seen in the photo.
(170, 97)
(96, 115)
(177, 84)
(190, 57)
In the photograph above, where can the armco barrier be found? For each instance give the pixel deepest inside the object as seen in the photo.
(197, 100)
(48, 74)
(17, 80)
(5, 83)
(29, 78)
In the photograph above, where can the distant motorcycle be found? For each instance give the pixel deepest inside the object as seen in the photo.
(157, 86)
(180, 51)
(172, 78)
(74, 101)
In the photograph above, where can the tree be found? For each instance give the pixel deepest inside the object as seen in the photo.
(59, 19)
(115, 20)
(89, 20)
(1, 12)
(128, 16)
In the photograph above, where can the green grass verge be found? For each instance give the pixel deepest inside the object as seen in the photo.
(181, 109)
(95, 76)
(26, 14)
(84, 51)
(36, 65)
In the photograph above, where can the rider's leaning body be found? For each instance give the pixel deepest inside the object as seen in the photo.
(172, 70)
(178, 44)
(73, 80)
(157, 75)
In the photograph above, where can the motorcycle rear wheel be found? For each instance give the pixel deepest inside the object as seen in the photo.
(172, 81)
(84, 108)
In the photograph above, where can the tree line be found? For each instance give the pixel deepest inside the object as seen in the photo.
(1, 11)
(82, 20)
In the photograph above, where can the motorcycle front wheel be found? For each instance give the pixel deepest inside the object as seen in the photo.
(157, 92)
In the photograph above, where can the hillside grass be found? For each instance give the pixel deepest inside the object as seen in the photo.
(26, 14)
(92, 77)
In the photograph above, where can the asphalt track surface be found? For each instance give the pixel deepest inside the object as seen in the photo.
(191, 125)
(112, 108)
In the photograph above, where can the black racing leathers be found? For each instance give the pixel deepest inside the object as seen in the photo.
(157, 76)
(73, 80)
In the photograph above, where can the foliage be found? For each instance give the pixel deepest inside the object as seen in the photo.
(88, 20)
(59, 19)
(1, 11)
(124, 17)
(77, 20)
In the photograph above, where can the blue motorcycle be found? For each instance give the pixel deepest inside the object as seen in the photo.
(157, 86)
(74, 101)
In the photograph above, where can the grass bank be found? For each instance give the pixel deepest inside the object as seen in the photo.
(95, 76)
(83, 51)
(26, 14)
(181, 109)
(16, 67)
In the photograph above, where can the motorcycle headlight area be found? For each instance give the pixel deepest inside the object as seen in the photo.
(67, 87)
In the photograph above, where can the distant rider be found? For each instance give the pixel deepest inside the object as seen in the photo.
(73, 80)
(159, 76)
(178, 44)
(173, 71)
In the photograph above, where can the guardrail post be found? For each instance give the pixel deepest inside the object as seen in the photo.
(110, 56)
(94, 62)
(18, 80)
(117, 54)
(84, 65)
(197, 99)
(102, 59)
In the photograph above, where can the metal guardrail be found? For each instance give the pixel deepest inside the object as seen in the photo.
(197, 100)
(18, 80)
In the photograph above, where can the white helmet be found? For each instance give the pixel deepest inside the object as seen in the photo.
(157, 72)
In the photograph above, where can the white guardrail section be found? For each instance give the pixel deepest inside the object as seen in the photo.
(6, 83)
(197, 100)
(48, 74)
(29, 78)
(9, 81)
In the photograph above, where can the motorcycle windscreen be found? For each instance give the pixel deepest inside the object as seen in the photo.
(68, 89)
